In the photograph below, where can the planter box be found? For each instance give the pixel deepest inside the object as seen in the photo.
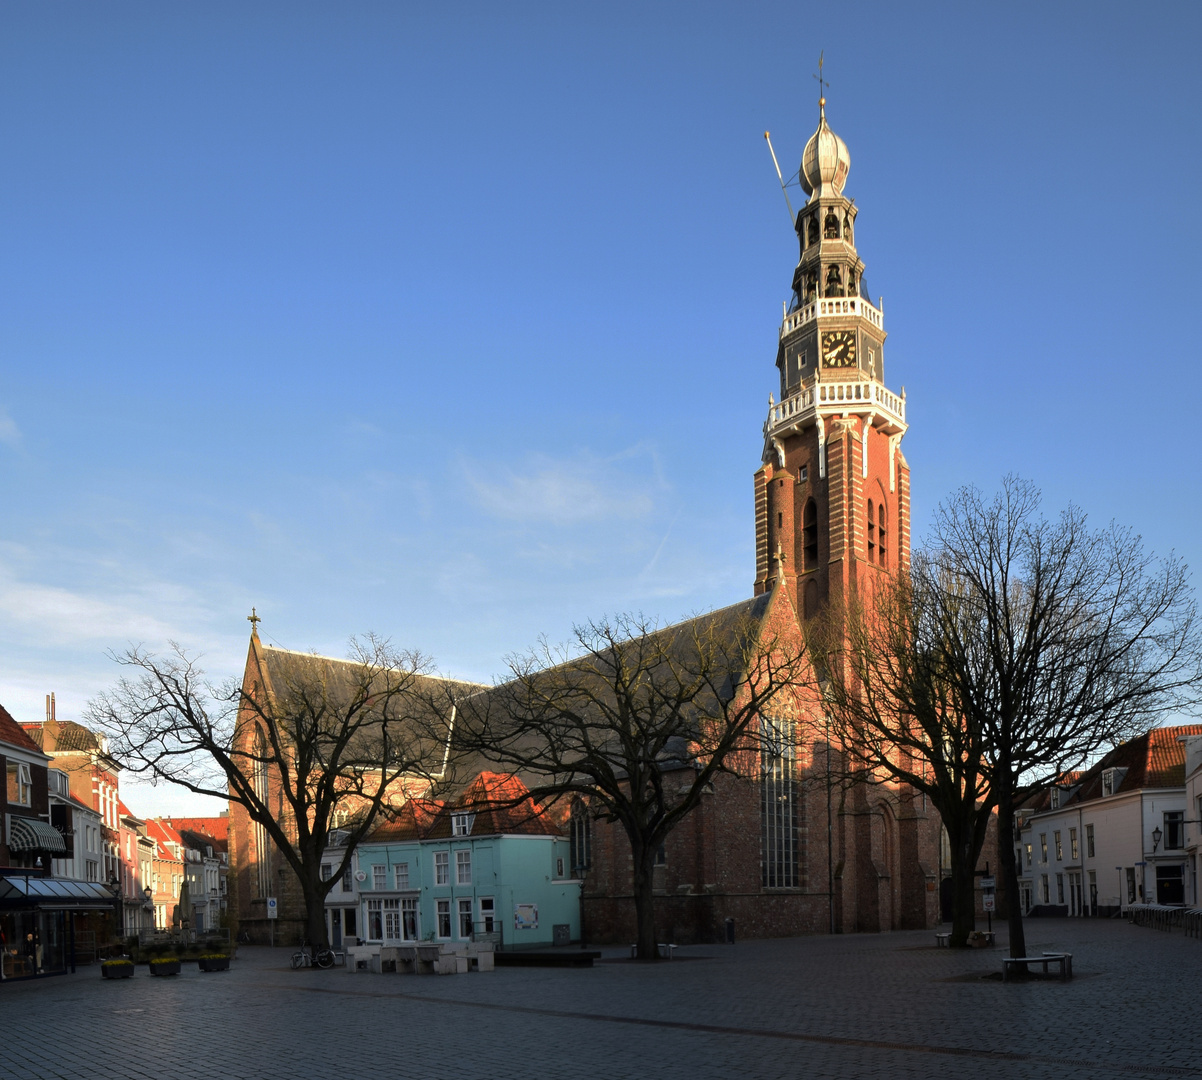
(164, 967)
(125, 971)
(214, 965)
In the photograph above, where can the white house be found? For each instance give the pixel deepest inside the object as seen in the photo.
(1112, 836)
(1193, 816)
(80, 827)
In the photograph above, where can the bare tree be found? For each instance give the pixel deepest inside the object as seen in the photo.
(318, 743)
(1056, 640)
(639, 719)
(893, 705)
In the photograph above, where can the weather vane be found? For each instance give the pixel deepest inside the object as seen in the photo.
(822, 83)
(254, 621)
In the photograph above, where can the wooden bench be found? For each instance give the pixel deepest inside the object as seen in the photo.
(1064, 960)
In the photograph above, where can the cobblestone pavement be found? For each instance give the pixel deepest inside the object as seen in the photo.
(878, 1006)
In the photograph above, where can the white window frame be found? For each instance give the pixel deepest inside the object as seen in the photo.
(374, 920)
(443, 908)
(461, 824)
(409, 907)
(463, 866)
(379, 877)
(442, 868)
(465, 908)
(24, 783)
(401, 874)
(392, 919)
(488, 915)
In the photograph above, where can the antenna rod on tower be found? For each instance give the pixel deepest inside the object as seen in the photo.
(792, 216)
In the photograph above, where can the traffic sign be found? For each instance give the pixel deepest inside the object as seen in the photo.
(988, 901)
(273, 910)
(988, 883)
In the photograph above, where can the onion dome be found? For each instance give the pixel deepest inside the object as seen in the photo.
(825, 160)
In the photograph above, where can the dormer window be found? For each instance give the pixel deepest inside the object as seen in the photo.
(461, 824)
(1054, 798)
(1112, 780)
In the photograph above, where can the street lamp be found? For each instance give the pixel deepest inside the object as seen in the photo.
(1156, 835)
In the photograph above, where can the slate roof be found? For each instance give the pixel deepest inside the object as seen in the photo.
(12, 733)
(341, 679)
(728, 624)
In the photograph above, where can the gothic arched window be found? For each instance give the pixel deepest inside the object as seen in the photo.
(259, 785)
(871, 533)
(812, 230)
(581, 833)
(881, 535)
(809, 535)
(830, 227)
(834, 281)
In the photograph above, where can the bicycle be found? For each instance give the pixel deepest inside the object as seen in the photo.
(305, 957)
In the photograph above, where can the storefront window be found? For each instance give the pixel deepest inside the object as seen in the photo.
(33, 943)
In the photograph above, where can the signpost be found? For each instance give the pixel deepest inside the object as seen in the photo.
(989, 899)
(273, 913)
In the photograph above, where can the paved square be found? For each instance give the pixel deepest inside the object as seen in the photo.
(877, 1006)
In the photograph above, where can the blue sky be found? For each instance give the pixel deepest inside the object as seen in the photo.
(457, 323)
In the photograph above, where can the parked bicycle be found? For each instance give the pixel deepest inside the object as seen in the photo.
(306, 957)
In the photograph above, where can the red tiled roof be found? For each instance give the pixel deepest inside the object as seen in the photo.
(12, 733)
(500, 802)
(1155, 759)
(216, 827)
(411, 822)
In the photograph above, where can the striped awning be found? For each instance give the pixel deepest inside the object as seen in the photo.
(33, 834)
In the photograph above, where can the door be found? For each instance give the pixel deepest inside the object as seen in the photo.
(335, 928)
(1074, 894)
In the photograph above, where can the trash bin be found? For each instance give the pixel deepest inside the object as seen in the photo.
(730, 931)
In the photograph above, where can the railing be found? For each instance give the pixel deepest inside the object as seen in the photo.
(822, 392)
(826, 306)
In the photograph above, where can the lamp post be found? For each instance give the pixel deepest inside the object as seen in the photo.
(1156, 838)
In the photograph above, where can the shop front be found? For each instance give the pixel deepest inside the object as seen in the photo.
(38, 923)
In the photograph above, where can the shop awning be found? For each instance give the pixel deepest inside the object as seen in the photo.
(33, 834)
(56, 894)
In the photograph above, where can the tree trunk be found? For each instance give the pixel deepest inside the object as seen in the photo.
(966, 837)
(1005, 850)
(315, 913)
(644, 902)
(964, 896)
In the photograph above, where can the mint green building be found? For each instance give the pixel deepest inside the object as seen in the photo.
(473, 871)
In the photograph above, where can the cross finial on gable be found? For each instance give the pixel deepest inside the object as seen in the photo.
(254, 621)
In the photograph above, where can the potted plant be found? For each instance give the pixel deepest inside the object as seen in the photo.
(164, 965)
(117, 969)
(214, 962)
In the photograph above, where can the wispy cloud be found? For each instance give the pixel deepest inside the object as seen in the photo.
(9, 432)
(568, 492)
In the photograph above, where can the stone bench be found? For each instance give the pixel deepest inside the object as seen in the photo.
(666, 951)
(1063, 960)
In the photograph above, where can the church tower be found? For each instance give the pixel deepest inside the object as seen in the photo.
(832, 498)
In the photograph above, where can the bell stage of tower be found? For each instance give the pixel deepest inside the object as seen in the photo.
(832, 496)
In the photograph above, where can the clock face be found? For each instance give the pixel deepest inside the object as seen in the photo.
(839, 348)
